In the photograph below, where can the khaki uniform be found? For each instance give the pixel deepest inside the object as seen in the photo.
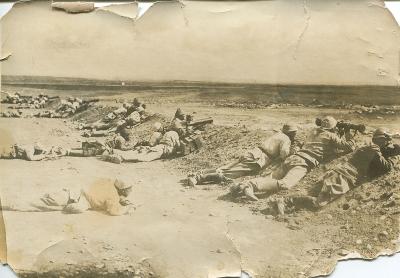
(365, 163)
(155, 138)
(26, 152)
(133, 119)
(276, 147)
(321, 145)
(103, 196)
(168, 145)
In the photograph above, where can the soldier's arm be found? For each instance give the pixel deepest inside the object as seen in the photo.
(285, 149)
(383, 164)
(30, 156)
(295, 146)
(347, 145)
(114, 208)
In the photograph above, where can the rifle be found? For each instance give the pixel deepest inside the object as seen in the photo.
(343, 126)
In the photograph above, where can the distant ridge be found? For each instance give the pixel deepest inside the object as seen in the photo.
(73, 83)
(330, 94)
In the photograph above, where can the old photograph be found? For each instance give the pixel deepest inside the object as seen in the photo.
(198, 139)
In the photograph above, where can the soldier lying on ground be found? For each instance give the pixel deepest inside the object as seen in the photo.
(12, 99)
(176, 141)
(169, 145)
(136, 105)
(109, 196)
(11, 114)
(38, 101)
(96, 148)
(113, 121)
(47, 114)
(366, 163)
(274, 150)
(321, 145)
(34, 152)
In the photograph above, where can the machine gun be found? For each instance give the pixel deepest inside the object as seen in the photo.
(392, 150)
(344, 127)
(198, 124)
(191, 141)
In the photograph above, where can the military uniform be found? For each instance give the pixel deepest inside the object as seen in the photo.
(168, 145)
(26, 152)
(101, 195)
(365, 163)
(321, 145)
(274, 149)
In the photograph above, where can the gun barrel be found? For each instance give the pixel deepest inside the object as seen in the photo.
(346, 125)
(204, 121)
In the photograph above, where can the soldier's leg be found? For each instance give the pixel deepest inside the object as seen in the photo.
(247, 188)
(104, 126)
(204, 176)
(270, 185)
(99, 133)
(54, 201)
(153, 153)
(292, 177)
(75, 152)
(239, 169)
(265, 185)
(246, 166)
(80, 206)
(334, 185)
(144, 155)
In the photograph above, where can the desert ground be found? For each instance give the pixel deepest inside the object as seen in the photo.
(177, 231)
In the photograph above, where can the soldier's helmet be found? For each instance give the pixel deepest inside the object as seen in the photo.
(380, 133)
(136, 102)
(328, 122)
(179, 114)
(289, 128)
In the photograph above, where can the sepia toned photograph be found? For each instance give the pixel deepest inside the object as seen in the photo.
(198, 139)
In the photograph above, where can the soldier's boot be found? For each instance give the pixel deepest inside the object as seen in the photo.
(205, 176)
(268, 185)
(248, 191)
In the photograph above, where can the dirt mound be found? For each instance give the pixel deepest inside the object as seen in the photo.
(365, 220)
(93, 113)
(144, 130)
(221, 145)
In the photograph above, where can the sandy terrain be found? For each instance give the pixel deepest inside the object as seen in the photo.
(175, 231)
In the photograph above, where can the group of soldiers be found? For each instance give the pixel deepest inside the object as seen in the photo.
(282, 155)
(117, 121)
(37, 102)
(109, 196)
(66, 108)
(292, 161)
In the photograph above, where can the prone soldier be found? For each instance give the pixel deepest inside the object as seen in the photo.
(366, 163)
(321, 145)
(273, 150)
